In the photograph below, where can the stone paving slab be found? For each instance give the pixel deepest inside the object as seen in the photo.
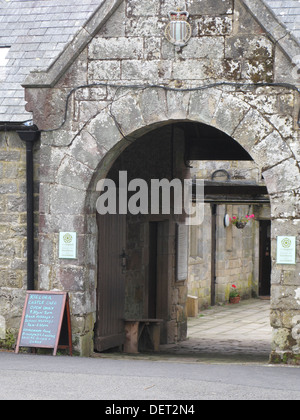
(241, 332)
(233, 334)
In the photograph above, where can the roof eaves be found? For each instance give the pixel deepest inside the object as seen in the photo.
(276, 29)
(51, 76)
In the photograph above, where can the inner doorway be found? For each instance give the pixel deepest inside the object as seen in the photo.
(265, 267)
(152, 271)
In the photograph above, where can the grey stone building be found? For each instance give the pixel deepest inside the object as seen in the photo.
(90, 89)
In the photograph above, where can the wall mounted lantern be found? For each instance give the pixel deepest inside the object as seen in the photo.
(178, 30)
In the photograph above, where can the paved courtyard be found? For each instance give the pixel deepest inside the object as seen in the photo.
(239, 333)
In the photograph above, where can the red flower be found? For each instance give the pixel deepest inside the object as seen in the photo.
(234, 286)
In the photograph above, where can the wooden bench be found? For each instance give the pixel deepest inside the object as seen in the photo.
(135, 329)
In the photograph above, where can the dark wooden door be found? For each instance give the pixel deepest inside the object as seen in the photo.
(159, 277)
(265, 262)
(109, 330)
(152, 284)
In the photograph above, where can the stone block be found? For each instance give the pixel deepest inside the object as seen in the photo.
(229, 113)
(8, 187)
(277, 180)
(153, 71)
(286, 205)
(212, 26)
(153, 105)
(204, 47)
(104, 70)
(142, 8)
(115, 26)
(286, 297)
(252, 129)
(282, 338)
(203, 105)
(10, 156)
(72, 278)
(258, 70)
(74, 174)
(177, 105)
(83, 302)
(248, 46)
(104, 129)
(211, 7)
(198, 69)
(116, 49)
(67, 200)
(127, 113)
(284, 124)
(270, 150)
(152, 48)
(144, 27)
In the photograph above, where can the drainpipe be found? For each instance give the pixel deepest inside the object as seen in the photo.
(29, 136)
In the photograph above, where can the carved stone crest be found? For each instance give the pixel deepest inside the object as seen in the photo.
(178, 30)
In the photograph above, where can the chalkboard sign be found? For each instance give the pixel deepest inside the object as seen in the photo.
(46, 321)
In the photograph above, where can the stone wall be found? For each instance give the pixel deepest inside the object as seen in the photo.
(237, 251)
(13, 220)
(103, 119)
(235, 254)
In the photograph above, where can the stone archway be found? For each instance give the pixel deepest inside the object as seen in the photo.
(71, 199)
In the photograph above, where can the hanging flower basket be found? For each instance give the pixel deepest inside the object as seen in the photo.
(240, 225)
(241, 222)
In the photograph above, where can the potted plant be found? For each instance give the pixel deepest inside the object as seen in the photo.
(234, 296)
(241, 222)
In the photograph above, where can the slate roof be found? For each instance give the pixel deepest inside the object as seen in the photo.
(288, 11)
(38, 30)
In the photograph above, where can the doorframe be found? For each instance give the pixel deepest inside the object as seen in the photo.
(264, 225)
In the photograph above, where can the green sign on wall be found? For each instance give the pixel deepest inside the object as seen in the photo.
(67, 245)
(286, 250)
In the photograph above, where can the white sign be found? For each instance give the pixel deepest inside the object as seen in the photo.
(286, 250)
(68, 245)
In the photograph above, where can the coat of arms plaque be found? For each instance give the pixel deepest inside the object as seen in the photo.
(178, 30)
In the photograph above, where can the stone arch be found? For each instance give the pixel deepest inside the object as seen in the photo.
(103, 138)
(133, 114)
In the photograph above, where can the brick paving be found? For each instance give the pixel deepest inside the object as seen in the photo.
(239, 332)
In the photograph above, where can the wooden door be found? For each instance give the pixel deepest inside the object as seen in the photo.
(152, 277)
(164, 276)
(110, 330)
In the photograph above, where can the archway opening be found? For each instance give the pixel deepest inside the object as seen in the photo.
(148, 259)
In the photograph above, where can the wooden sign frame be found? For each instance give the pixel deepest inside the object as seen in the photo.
(63, 333)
